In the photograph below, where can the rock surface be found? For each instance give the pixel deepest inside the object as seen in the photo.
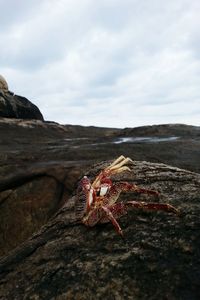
(3, 85)
(180, 130)
(158, 259)
(40, 164)
(13, 106)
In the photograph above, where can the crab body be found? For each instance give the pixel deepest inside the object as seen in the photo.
(97, 201)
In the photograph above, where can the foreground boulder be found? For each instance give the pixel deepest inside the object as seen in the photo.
(30, 197)
(13, 106)
(158, 259)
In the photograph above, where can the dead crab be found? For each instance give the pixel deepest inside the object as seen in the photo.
(97, 200)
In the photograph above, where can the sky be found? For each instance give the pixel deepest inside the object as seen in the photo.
(108, 63)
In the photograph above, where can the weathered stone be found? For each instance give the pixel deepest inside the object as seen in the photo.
(3, 84)
(40, 163)
(13, 106)
(29, 198)
(158, 259)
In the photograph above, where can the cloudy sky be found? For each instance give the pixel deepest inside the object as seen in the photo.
(113, 63)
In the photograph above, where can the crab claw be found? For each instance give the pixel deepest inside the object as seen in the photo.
(120, 161)
(118, 166)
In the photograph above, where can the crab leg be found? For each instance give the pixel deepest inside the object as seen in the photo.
(88, 192)
(110, 217)
(119, 187)
(129, 187)
(152, 206)
(120, 209)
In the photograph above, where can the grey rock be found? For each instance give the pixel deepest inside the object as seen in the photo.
(158, 259)
(40, 164)
(3, 84)
(14, 106)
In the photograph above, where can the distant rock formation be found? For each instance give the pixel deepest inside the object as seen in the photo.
(3, 84)
(163, 130)
(13, 106)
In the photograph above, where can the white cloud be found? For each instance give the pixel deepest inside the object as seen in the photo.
(107, 63)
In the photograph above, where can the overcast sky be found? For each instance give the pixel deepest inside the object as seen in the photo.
(113, 63)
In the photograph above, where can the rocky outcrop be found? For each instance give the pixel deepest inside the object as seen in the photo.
(13, 106)
(3, 85)
(40, 164)
(33, 153)
(180, 130)
(158, 258)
